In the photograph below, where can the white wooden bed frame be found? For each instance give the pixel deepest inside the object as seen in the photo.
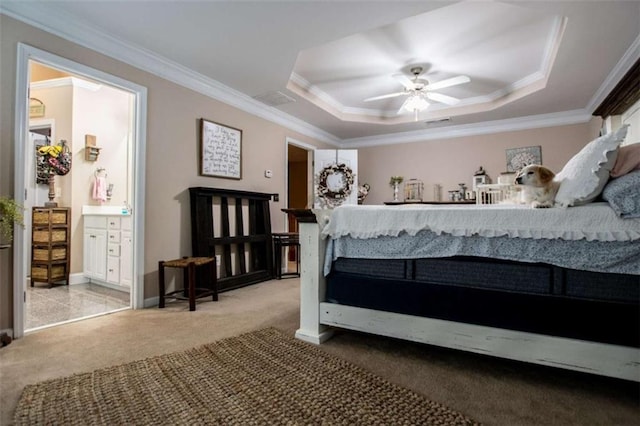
(317, 318)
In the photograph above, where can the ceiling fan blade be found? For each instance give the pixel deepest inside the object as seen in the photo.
(448, 82)
(401, 110)
(439, 97)
(405, 81)
(390, 95)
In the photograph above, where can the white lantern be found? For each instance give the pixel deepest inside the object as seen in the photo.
(413, 190)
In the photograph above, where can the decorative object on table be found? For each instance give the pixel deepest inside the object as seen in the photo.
(413, 191)
(10, 215)
(54, 160)
(463, 192)
(363, 191)
(437, 192)
(517, 158)
(335, 179)
(480, 180)
(480, 177)
(220, 150)
(506, 178)
(395, 182)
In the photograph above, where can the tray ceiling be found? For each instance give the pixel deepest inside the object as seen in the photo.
(310, 65)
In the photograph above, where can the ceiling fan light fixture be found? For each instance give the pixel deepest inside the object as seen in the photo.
(416, 103)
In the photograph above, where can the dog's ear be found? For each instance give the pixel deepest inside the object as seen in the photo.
(546, 175)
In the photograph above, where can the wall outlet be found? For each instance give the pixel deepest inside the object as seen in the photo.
(268, 174)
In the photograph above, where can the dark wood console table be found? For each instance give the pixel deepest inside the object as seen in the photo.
(251, 250)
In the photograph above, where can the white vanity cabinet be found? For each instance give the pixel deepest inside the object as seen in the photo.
(108, 249)
(95, 247)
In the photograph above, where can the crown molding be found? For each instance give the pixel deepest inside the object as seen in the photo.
(64, 81)
(497, 126)
(622, 67)
(47, 18)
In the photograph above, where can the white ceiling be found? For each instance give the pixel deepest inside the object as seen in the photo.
(531, 63)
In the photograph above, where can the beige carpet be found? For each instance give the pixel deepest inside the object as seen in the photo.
(490, 390)
(263, 377)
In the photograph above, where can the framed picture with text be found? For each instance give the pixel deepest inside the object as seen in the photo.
(220, 150)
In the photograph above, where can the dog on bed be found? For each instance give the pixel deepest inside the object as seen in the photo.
(536, 186)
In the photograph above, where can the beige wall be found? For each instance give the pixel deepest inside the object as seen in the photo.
(171, 158)
(103, 113)
(452, 161)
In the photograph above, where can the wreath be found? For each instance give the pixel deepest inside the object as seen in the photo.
(344, 191)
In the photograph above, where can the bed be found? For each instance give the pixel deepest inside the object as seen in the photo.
(559, 287)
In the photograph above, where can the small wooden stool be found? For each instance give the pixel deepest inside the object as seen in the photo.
(190, 292)
(281, 240)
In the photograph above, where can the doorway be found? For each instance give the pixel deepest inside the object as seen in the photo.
(299, 158)
(299, 178)
(73, 189)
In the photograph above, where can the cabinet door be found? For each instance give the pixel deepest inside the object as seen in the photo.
(95, 253)
(126, 259)
(113, 269)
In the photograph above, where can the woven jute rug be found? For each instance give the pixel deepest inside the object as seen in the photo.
(259, 378)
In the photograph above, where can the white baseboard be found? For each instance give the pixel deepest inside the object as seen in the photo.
(151, 302)
(77, 278)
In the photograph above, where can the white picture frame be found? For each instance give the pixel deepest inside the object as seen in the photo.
(220, 150)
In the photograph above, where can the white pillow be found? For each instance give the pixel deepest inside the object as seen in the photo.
(585, 175)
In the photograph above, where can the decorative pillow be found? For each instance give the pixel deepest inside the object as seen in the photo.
(628, 160)
(584, 176)
(623, 195)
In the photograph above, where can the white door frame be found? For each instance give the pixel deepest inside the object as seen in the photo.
(21, 128)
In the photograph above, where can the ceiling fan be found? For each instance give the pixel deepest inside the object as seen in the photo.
(420, 91)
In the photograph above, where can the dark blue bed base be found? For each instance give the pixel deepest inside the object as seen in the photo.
(536, 298)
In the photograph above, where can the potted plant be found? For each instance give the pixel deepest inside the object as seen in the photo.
(10, 214)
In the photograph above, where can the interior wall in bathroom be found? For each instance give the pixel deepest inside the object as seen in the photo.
(79, 108)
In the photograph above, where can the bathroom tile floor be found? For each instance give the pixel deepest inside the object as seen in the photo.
(47, 306)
